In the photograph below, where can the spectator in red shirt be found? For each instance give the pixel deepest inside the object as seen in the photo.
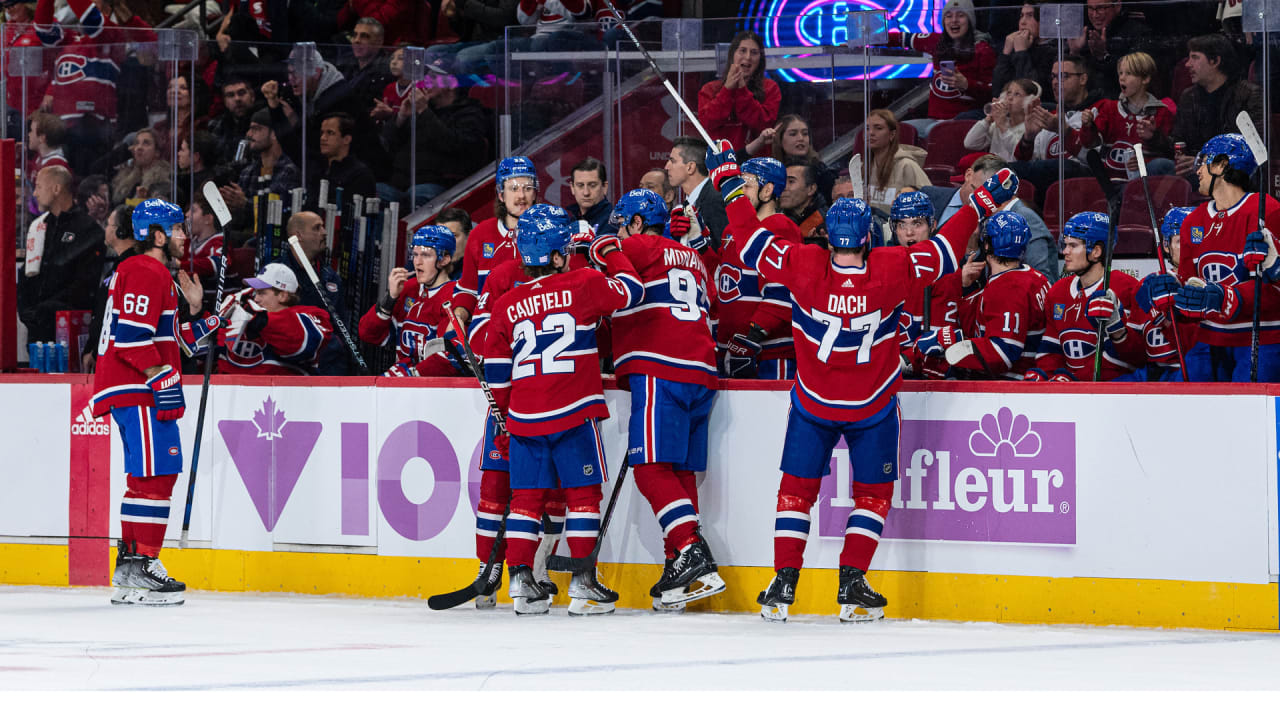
(745, 102)
(963, 64)
(395, 93)
(394, 15)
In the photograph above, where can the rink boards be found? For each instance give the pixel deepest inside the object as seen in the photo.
(1134, 505)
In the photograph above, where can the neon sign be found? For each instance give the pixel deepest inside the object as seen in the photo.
(817, 23)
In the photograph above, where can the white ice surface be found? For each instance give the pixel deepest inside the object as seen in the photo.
(57, 638)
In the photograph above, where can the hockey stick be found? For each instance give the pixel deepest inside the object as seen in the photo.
(1259, 150)
(301, 257)
(1155, 228)
(706, 137)
(444, 601)
(223, 215)
(560, 563)
(1113, 216)
(855, 176)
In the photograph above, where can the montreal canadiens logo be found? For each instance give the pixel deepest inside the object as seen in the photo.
(944, 89)
(727, 281)
(1217, 267)
(71, 67)
(1078, 343)
(1118, 155)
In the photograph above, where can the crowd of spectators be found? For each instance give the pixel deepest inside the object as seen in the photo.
(261, 116)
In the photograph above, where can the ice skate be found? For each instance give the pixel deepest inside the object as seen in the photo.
(587, 596)
(656, 593)
(122, 579)
(528, 595)
(779, 596)
(149, 584)
(858, 602)
(546, 548)
(693, 576)
(489, 597)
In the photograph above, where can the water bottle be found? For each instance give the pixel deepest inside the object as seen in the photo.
(36, 352)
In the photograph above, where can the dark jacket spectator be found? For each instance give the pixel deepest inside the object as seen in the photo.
(453, 132)
(1216, 97)
(326, 92)
(1025, 54)
(480, 20)
(333, 358)
(63, 274)
(336, 164)
(744, 102)
(1110, 32)
(229, 127)
(120, 243)
(366, 70)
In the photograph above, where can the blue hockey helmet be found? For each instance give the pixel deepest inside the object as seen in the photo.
(648, 204)
(155, 211)
(849, 224)
(1008, 234)
(1233, 145)
(542, 230)
(516, 166)
(767, 170)
(912, 204)
(1172, 223)
(436, 237)
(1091, 227)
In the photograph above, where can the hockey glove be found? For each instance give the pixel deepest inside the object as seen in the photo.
(1198, 300)
(1062, 375)
(166, 389)
(994, 193)
(679, 225)
(725, 174)
(1105, 309)
(936, 342)
(1035, 375)
(258, 317)
(199, 332)
(1260, 255)
(580, 240)
(602, 246)
(742, 354)
(401, 370)
(1157, 293)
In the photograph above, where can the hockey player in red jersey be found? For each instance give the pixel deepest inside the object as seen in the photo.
(845, 307)
(1007, 321)
(1219, 247)
(267, 332)
(493, 241)
(1155, 296)
(664, 354)
(753, 333)
(137, 380)
(1076, 304)
(543, 367)
(911, 220)
(412, 311)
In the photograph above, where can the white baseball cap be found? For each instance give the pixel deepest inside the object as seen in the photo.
(277, 276)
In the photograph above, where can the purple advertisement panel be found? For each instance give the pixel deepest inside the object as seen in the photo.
(999, 478)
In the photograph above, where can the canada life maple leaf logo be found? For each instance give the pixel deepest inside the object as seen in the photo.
(270, 452)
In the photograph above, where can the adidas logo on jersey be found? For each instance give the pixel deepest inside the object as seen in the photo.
(847, 283)
(87, 424)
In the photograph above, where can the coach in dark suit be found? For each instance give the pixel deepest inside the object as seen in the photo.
(687, 169)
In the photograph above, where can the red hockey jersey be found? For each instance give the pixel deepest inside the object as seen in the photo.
(1117, 127)
(844, 319)
(87, 69)
(1070, 339)
(418, 315)
(289, 345)
(140, 330)
(945, 101)
(542, 362)
(490, 244)
(1007, 323)
(744, 299)
(395, 96)
(668, 334)
(1211, 242)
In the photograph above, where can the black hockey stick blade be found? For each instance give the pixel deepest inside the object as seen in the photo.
(560, 563)
(448, 600)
